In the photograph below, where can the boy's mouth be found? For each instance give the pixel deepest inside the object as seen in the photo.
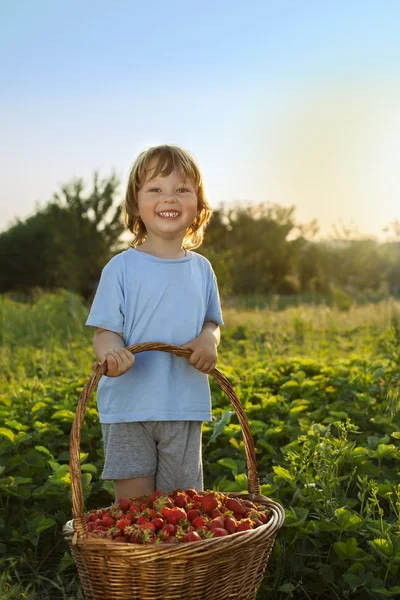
(168, 214)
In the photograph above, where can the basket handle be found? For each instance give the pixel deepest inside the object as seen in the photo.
(80, 526)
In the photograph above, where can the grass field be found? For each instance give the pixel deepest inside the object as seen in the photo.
(320, 387)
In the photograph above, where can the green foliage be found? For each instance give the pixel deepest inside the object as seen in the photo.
(321, 391)
(66, 243)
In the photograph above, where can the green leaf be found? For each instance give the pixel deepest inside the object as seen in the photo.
(37, 525)
(65, 562)
(287, 587)
(89, 468)
(44, 450)
(66, 416)
(347, 520)
(346, 549)
(229, 464)
(7, 433)
(219, 427)
(283, 473)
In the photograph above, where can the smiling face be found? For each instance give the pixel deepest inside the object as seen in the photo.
(167, 205)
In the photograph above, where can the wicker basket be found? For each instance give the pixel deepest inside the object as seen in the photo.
(223, 568)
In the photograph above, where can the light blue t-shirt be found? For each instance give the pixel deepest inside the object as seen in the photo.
(151, 299)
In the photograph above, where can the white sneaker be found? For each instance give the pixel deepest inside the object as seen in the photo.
(68, 528)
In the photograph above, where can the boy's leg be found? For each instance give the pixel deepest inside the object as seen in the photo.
(130, 458)
(179, 455)
(133, 488)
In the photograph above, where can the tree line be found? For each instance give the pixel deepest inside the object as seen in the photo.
(254, 249)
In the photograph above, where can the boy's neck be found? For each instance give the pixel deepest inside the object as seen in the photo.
(162, 248)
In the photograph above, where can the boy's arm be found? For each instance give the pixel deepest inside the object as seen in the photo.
(111, 346)
(204, 347)
(213, 329)
(104, 341)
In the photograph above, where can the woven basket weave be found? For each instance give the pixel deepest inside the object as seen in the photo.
(223, 568)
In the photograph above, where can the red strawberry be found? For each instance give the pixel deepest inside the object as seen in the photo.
(168, 529)
(158, 522)
(123, 503)
(120, 538)
(219, 532)
(216, 513)
(171, 540)
(142, 520)
(192, 514)
(223, 510)
(108, 521)
(191, 492)
(230, 525)
(149, 526)
(199, 522)
(173, 515)
(257, 523)
(191, 537)
(209, 502)
(181, 499)
(99, 529)
(245, 525)
(218, 522)
(235, 505)
(122, 523)
(249, 504)
(163, 501)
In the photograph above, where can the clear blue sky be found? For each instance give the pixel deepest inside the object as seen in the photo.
(288, 102)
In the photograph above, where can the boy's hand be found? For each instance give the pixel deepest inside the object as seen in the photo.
(119, 361)
(204, 352)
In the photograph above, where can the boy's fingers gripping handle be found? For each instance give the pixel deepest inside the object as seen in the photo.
(80, 526)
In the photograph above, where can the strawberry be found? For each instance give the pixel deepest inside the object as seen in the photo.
(191, 492)
(219, 532)
(173, 515)
(99, 529)
(235, 505)
(249, 504)
(158, 522)
(122, 523)
(199, 522)
(142, 520)
(163, 501)
(123, 503)
(149, 526)
(168, 529)
(209, 502)
(230, 525)
(191, 537)
(217, 523)
(182, 499)
(192, 514)
(224, 511)
(153, 497)
(216, 513)
(205, 533)
(171, 540)
(120, 538)
(257, 523)
(108, 521)
(245, 525)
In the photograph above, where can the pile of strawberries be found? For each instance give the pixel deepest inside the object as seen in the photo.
(182, 516)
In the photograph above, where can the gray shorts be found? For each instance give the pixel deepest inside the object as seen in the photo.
(170, 450)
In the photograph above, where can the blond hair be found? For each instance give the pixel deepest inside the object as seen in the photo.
(168, 158)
